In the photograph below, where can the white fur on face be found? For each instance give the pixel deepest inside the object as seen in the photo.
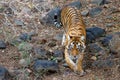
(78, 45)
(72, 45)
(82, 38)
(63, 39)
(68, 37)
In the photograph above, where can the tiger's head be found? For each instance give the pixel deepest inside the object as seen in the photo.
(76, 45)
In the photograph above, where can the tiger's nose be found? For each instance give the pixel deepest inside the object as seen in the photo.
(74, 59)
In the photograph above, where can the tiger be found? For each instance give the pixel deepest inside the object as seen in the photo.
(74, 37)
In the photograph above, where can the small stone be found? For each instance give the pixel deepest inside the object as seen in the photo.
(32, 33)
(65, 65)
(19, 22)
(103, 63)
(43, 41)
(24, 46)
(94, 58)
(95, 11)
(109, 25)
(9, 11)
(58, 54)
(114, 43)
(25, 37)
(4, 74)
(41, 52)
(85, 13)
(100, 2)
(45, 65)
(105, 41)
(76, 4)
(24, 62)
(2, 44)
(52, 43)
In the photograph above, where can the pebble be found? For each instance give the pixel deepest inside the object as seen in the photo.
(100, 2)
(2, 44)
(85, 13)
(95, 11)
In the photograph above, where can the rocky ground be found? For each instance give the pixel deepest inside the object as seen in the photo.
(30, 44)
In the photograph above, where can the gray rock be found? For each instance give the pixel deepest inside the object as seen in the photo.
(89, 37)
(95, 49)
(9, 11)
(52, 18)
(103, 63)
(41, 53)
(114, 43)
(65, 65)
(109, 25)
(2, 44)
(111, 40)
(25, 37)
(95, 11)
(106, 40)
(58, 54)
(33, 33)
(4, 74)
(24, 46)
(25, 62)
(85, 13)
(19, 22)
(96, 31)
(76, 4)
(100, 2)
(45, 65)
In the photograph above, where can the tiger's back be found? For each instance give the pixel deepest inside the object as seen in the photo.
(72, 21)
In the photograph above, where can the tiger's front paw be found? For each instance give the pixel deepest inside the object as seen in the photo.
(80, 73)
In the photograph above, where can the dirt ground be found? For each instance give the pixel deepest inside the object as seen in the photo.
(10, 56)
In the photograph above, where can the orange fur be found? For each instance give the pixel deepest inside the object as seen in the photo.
(74, 37)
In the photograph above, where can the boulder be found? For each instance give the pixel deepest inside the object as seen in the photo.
(4, 74)
(41, 52)
(96, 31)
(40, 65)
